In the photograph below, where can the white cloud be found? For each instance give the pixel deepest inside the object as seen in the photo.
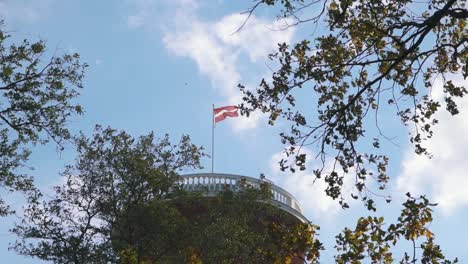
(213, 59)
(309, 192)
(444, 176)
(258, 38)
(220, 54)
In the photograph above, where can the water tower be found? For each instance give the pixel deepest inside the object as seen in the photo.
(216, 218)
(212, 184)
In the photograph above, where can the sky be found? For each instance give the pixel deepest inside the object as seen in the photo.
(160, 65)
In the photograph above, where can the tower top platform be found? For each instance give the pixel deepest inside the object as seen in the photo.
(214, 183)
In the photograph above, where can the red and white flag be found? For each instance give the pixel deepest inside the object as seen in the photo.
(222, 112)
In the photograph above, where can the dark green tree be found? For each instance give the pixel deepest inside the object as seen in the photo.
(233, 227)
(122, 203)
(36, 101)
(374, 55)
(114, 175)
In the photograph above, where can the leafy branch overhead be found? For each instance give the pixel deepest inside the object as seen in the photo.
(375, 240)
(36, 101)
(375, 53)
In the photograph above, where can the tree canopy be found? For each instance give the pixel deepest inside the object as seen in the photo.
(36, 101)
(233, 227)
(373, 57)
(122, 203)
(113, 173)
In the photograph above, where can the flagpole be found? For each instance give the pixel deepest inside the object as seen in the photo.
(212, 140)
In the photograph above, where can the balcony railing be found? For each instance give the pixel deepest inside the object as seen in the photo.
(217, 182)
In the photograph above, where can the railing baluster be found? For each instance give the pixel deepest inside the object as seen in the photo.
(214, 183)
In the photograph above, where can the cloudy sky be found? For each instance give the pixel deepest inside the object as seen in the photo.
(161, 64)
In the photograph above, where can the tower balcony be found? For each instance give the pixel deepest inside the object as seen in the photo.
(214, 183)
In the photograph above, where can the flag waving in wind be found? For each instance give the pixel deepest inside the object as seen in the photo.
(222, 112)
(219, 114)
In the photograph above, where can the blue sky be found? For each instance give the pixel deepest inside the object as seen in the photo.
(161, 64)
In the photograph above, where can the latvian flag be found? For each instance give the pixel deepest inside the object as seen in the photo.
(221, 113)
